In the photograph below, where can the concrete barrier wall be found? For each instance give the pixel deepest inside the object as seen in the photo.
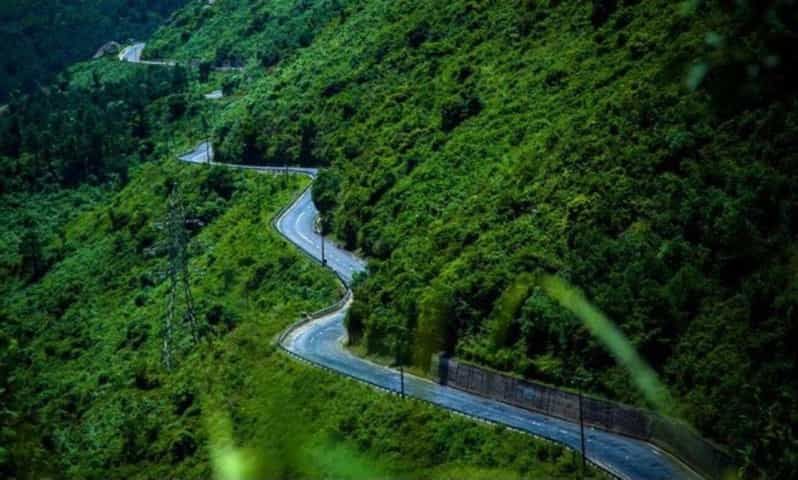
(673, 436)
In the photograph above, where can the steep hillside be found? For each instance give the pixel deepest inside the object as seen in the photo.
(91, 230)
(41, 38)
(248, 31)
(644, 151)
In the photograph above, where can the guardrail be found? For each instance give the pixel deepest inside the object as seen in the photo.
(604, 469)
(344, 301)
(607, 470)
(335, 307)
(670, 435)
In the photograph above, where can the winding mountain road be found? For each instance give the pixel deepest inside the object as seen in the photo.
(321, 341)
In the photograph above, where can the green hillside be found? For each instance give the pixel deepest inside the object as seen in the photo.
(243, 32)
(93, 401)
(89, 181)
(42, 38)
(644, 151)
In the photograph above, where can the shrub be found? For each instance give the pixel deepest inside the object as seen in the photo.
(229, 84)
(204, 71)
(418, 35)
(555, 78)
(458, 109)
(221, 181)
(221, 318)
(602, 9)
(183, 447)
(333, 89)
(269, 58)
(177, 107)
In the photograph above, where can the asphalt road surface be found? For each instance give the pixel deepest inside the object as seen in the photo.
(322, 341)
(203, 153)
(133, 52)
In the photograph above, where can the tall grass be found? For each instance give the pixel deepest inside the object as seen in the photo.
(601, 327)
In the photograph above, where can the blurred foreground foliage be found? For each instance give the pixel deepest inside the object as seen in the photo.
(644, 151)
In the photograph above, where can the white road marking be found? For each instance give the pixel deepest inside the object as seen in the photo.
(299, 230)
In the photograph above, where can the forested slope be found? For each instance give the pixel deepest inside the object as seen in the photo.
(91, 227)
(644, 151)
(246, 31)
(41, 38)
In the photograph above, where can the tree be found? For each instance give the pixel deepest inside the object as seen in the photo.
(177, 107)
(31, 251)
(307, 142)
(433, 330)
(179, 77)
(458, 109)
(269, 58)
(204, 71)
(325, 190)
(602, 9)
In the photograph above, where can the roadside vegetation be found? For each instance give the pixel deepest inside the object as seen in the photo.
(89, 175)
(642, 151)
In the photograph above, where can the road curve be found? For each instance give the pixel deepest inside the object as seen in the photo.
(321, 341)
(132, 54)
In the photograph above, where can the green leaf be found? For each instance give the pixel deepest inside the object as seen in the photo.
(696, 75)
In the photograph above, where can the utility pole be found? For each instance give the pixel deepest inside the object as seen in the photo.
(174, 225)
(401, 340)
(179, 240)
(205, 128)
(582, 431)
(321, 234)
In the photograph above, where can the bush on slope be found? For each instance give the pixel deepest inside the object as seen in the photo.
(474, 142)
(84, 293)
(42, 38)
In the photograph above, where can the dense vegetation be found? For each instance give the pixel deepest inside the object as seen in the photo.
(89, 131)
(246, 32)
(89, 177)
(42, 38)
(644, 151)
